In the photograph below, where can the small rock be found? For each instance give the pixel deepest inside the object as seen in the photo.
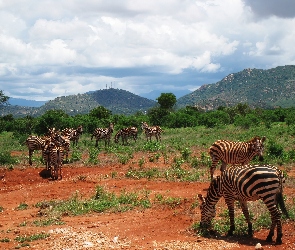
(258, 246)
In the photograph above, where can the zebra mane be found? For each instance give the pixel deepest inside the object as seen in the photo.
(254, 139)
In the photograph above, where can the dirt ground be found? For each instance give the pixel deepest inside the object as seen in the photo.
(159, 227)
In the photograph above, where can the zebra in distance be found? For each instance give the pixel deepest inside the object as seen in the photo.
(231, 152)
(103, 133)
(73, 134)
(246, 183)
(125, 133)
(151, 131)
(33, 143)
(53, 154)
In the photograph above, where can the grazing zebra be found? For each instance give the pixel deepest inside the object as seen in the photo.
(230, 152)
(53, 154)
(103, 133)
(151, 131)
(33, 143)
(246, 183)
(125, 133)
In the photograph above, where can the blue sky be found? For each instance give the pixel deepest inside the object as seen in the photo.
(51, 48)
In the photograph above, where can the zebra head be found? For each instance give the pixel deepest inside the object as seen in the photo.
(257, 146)
(144, 125)
(207, 207)
(80, 130)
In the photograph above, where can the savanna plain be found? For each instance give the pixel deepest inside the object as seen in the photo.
(139, 196)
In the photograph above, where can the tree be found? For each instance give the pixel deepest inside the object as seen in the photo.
(3, 98)
(100, 112)
(166, 100)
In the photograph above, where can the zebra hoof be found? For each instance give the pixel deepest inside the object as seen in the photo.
(269, 238)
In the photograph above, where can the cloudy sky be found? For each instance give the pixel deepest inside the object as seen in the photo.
(51, 48)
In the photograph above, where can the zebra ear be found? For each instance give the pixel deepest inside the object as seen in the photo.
(263, 138)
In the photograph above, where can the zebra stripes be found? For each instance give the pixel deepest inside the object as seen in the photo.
(73, 134)
(246, 183)
(103, 133)
(151, 131)
(125, 133)
(33, 143)
(54, 159)
(231, 152)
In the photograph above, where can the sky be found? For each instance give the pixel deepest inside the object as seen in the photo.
(52, 48)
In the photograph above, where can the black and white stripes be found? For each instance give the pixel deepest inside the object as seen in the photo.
(232, 152)
(246, 183)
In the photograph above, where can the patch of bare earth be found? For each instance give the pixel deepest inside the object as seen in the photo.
(159, 227)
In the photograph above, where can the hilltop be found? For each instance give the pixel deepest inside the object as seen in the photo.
(255, 87)
(116, 100)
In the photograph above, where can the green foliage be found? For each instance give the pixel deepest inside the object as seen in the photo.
(32, 237)
(166, 100)
(93, 156)
(3, 98)
(6, 158)
(22, 206)
(100, 113)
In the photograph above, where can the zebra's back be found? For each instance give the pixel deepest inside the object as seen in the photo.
(251, 182)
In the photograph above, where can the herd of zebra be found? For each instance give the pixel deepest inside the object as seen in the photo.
(56, 144)
(239, 182)
(243, 182)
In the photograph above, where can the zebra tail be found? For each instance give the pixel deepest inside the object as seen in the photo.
(280, 200)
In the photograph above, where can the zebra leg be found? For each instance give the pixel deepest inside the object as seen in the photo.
(247, 216)
(275, 221)
(30, 157)
(231, 210)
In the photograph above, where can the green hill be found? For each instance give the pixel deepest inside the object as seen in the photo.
(116, 100)
(256, 87)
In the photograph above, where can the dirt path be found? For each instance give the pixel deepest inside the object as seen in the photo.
(160, 227)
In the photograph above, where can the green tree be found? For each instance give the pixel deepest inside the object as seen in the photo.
(3, 98)
(52, 118)
(166, 100)
(100, 113)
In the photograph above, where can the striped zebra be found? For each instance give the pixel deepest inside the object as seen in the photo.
(151, 131)
(125, 133)
(246, 183)
(33, 143)
(103, 133)
(53, 154)
(231, 152)
(73, 134)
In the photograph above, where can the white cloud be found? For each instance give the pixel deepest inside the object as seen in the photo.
(49, 48)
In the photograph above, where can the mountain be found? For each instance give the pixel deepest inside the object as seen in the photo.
(116, 100)
(256, 87)
(24, 102)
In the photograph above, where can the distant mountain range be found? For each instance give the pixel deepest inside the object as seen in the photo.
(256, 87)
(24, 102)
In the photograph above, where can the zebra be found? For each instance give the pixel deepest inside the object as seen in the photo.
(73, 134)
(125, 133)
(103, 133)
(53, 154)
(33, 143)
(231, 152)
(246, 183)
(151, 131)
